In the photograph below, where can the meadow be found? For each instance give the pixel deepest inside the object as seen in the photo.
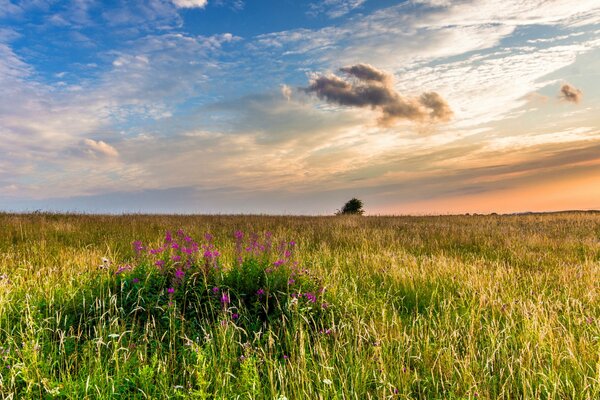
(266, 307)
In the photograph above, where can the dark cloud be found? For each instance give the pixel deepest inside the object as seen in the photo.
(570, 93)
(374, 88)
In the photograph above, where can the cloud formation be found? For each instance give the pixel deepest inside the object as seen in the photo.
(570, 93)
(190, 3)
(374, 88)
(100, 148)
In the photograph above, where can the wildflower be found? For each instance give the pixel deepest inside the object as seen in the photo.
(215, 290)
(260, 292)
(135, 280)
(279, 263)
(310, 297)
(160, 263)
(235, 316)
(225, 298)
(324, 305)
(176, 258)
(122, 269)
(138, 247)
(285, 357)
(291, 281)
(179, 274)
(208, 237)
(170, 290)
(168, 237)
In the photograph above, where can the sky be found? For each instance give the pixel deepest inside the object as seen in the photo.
(294, 107)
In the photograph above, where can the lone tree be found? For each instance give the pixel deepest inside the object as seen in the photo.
(352, 207)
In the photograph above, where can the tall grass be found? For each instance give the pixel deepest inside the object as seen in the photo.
(453, 307)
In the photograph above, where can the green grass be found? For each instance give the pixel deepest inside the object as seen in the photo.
(453, 307)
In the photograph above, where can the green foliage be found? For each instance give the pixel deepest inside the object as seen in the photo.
(353, 206)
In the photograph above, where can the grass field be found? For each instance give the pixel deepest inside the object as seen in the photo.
(451, 307)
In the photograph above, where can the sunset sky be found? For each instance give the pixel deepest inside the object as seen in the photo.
(294, 107)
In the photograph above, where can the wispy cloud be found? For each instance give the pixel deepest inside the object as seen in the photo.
(334, 8)
(190, 3)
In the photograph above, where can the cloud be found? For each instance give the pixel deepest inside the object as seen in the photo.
(334, 8)
(99, 148)
(286, 92)
(570, 93)
(374, 88)
(190, 3)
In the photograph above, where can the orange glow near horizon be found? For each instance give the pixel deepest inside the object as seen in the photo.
(581, 193)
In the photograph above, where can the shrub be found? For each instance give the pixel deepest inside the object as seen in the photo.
(353, 206)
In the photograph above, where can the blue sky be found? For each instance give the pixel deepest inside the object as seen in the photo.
(234, 106)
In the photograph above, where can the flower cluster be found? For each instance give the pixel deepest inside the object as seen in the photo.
(188, 276)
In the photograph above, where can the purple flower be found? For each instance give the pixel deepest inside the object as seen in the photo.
(160, 263)
(179, 274)
(168, 237)
(215, 290)
(135, 280)
(176, 258)
(225, 298)
(208, 237)
(260, 292)
(138, 246)
(279, 263)
(170, 290)
(175, 246)
(235, 316)
(291, 281)
(311, 297)
(324, 305)
(239, 235)
(285, 357)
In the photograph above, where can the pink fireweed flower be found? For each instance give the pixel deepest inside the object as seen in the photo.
(179, 274)
(235, 316)
(215, 290)
(310, 297)
(160, 263)
(158, 250)
(260, 292)
(168, 237)
(122, 269)
(225, 299)
(138, 246)
(175, 246)
(176, 258)
(171, 290)
(291, 281)
(208, 237)
(279, 263)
